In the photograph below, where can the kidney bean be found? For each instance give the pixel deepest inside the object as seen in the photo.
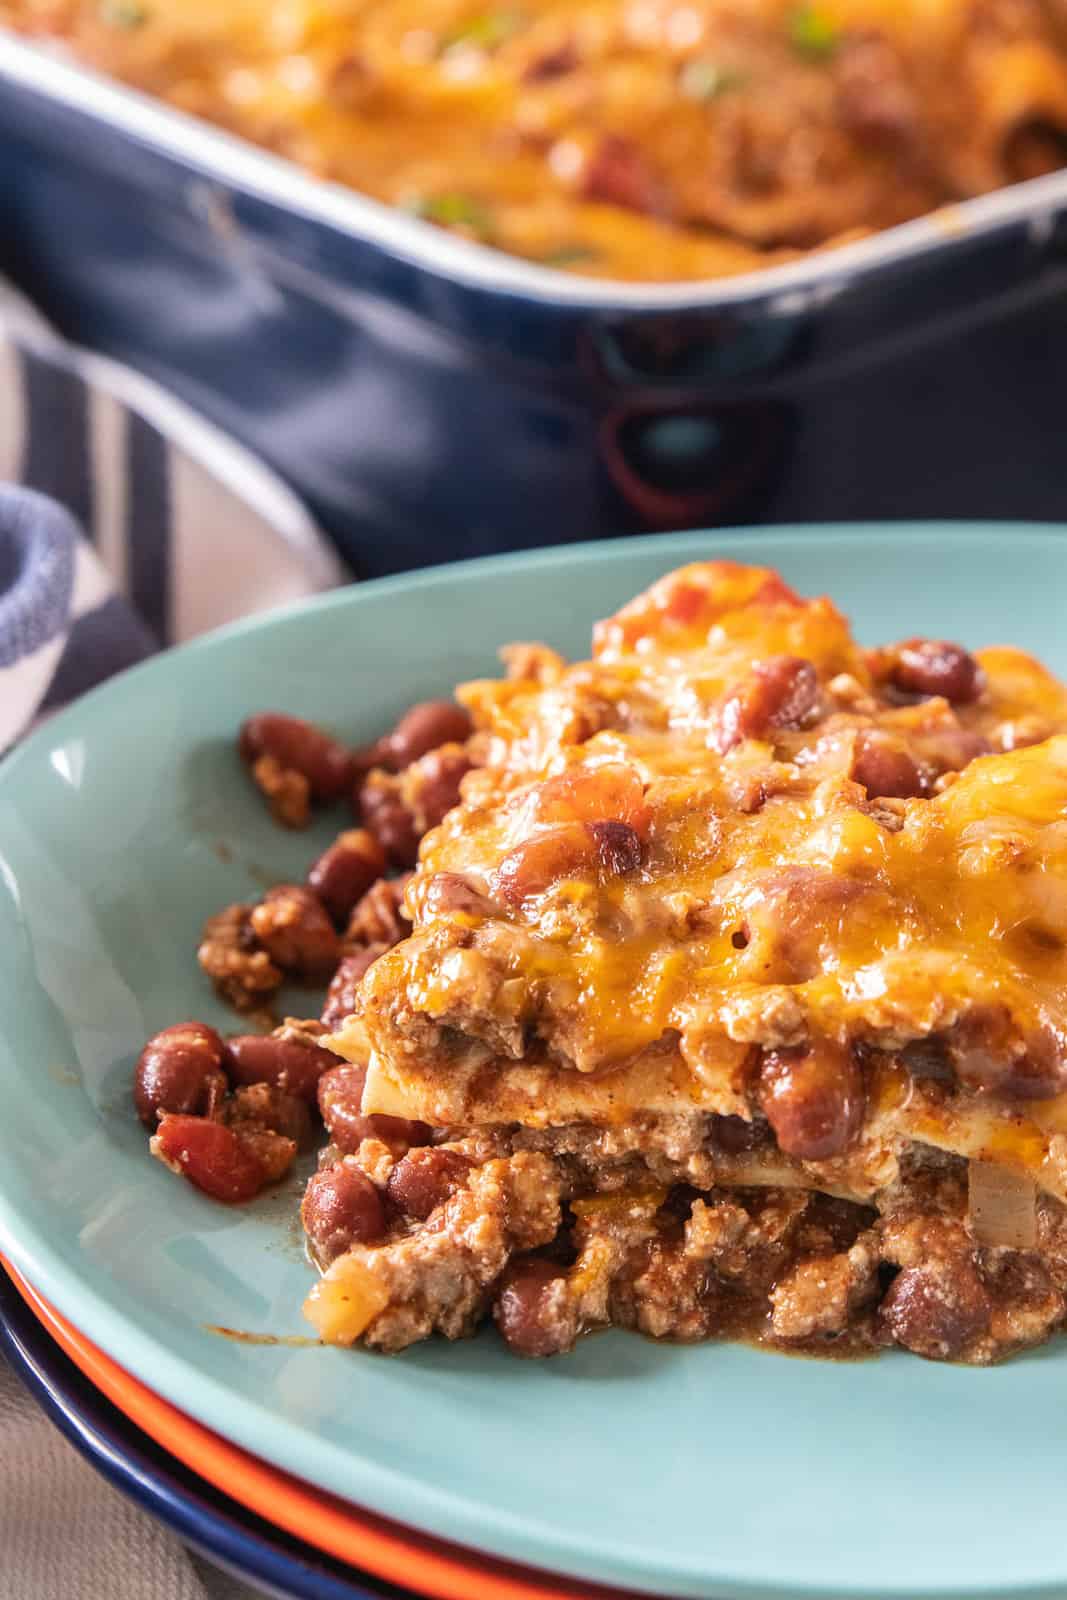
(341, 995)
(952, 749)
(618, 848)
(618, 173)
(364, 760)
(390, 819)
(288, 1064)
(885, 767)
(301, 747)
(979, 1049)
(780, 692)
(734, 1135)
(210, 1155)
(527, 1311)
(426, 726)
(432, 783)
(447, 893)
(935, 667)
(291, 924)
(1040, 1073)
(791, 914)
(340, 1106)
(343, 1086)
(613, 792)
(928, 1058)
(812, 1098)
(425, 1179)
(988, 1055)
(790, 689)
(178, 1071)
(573, 849)
(340, 1208)
(343, 873)
(379, 917)
(935, 1310)
(873, 97)
(538, 862)
(552, 63)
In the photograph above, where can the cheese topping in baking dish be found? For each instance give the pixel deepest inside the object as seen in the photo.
(641, 139)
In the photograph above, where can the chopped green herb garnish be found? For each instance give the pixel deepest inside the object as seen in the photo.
(813, 33)
(483, 32)
(569, 255)
(452, 210)
(123, 13)
(704, 80)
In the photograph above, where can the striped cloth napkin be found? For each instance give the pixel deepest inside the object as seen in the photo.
(126, 523)
(183, 528)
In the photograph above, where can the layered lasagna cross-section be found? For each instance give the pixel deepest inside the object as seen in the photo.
(734, 1001)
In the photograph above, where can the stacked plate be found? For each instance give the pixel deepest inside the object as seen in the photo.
(246, 1515)
(32, 1338)
(715, 1471)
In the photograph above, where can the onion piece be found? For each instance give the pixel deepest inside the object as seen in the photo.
(1002, 1206)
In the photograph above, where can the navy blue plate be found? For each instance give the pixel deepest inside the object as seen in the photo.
(204, 1519)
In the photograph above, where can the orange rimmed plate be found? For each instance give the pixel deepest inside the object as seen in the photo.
(401, 1556)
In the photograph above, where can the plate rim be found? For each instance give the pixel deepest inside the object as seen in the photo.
(112, 1443)
(432, 1567)
(498, 1531)
(600, 551)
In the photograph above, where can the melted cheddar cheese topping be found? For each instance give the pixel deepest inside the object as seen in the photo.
(734, 834)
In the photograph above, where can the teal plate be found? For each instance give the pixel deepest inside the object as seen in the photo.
(713, 1471)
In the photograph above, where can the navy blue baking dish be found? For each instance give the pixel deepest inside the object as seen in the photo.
(434, 399)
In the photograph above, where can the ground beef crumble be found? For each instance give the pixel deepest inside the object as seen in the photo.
(556, 1233)
(439, 1276)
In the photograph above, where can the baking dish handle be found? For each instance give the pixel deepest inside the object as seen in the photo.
(679, 466)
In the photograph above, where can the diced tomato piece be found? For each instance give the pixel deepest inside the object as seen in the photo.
(611, 793)
(686, 604)
(690, 601)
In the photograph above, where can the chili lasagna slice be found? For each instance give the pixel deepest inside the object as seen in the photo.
(734, 996)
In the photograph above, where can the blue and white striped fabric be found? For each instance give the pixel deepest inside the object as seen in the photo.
(172, 528)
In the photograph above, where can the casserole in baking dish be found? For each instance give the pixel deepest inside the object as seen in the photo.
(640, 139)
(431, 397)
